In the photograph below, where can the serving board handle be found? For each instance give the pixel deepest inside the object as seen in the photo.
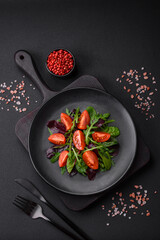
(24, 60)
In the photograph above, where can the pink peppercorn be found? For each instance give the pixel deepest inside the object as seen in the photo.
(60, 62)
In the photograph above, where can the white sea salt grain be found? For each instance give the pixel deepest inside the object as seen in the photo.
(18, 103)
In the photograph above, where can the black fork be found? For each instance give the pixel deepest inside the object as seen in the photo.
(34, 210)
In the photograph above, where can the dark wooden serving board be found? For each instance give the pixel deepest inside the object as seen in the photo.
(24, 61)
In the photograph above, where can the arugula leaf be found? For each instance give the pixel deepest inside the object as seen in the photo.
(105, 145)
(105, 116)
(94, 117)
(104, 128)
(50, 131)
(76, 155)
(114, 131)
(75, 120)
(91, 149)
(63, 170)
(81, 167)
(68, 112)
(55, 157)
(110, 143)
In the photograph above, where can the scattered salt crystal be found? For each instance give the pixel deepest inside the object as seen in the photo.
(18, 103)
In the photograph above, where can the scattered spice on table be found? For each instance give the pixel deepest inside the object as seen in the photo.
(14, 96)
(131, 205)
(141, 87)
(60, 62)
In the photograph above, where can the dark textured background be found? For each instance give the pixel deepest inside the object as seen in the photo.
(106, 38)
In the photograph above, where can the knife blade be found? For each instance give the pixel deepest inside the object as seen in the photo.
(29, 186)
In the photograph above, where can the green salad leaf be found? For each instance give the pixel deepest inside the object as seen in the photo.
(106, 158)
(68, 112)
(63, 170)
(70, 162)
(94, 117)
(114, 131)
(50, 131)
(81, 167)
(55, 157)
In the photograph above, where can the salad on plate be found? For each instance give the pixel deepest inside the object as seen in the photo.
(83, 143)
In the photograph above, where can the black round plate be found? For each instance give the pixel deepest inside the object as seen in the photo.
(103, 103)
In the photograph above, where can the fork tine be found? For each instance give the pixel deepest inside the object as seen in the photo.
(25, 205)
(22, 198)
(20, 201)
(25, 208)
(26, 200)
(19, 206)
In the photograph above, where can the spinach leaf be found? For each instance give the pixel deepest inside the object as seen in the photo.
(106, 159)
(92, 113)
(114, 131)
(70, 162)
(55, 157)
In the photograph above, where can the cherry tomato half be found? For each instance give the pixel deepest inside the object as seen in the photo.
(90, 159)
(57, 138)
(101, 136)
(63, 159)
(66, 120)
(84, 120)
(79, 140)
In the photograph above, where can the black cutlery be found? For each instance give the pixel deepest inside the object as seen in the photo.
(34, 210)
(28, 185)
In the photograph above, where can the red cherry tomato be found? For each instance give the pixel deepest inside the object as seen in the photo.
(57, 138)
(84, 120)
(66, 120)
(101, 136)
(90, 159)
(63, 159)
(79, 140)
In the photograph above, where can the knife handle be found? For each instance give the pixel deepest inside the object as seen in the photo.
(69, 222)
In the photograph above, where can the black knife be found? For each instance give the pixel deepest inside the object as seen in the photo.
(28, 185)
